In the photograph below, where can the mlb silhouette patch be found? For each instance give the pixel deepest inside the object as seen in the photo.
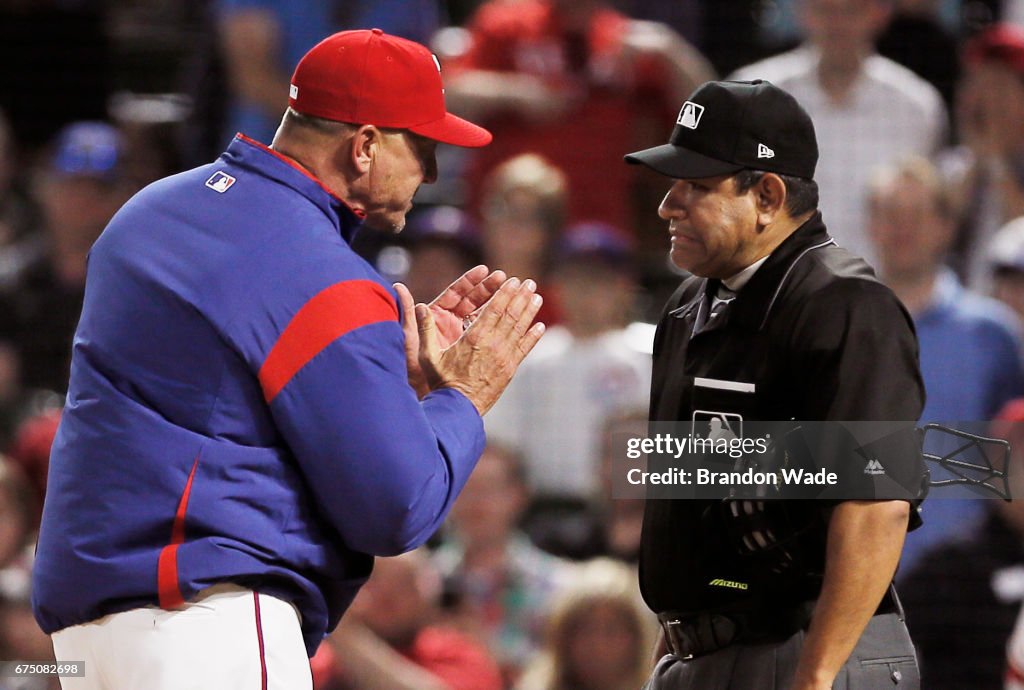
(220, 182)
(714, 425)
(690, 115)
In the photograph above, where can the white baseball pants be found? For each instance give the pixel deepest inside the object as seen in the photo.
(229, 638)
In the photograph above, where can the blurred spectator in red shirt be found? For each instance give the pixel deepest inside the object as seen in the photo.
(581, 83)
(33, 438)
(390, 638)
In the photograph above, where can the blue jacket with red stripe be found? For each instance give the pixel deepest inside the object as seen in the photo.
(239, 408)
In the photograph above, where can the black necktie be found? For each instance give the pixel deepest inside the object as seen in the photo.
(722, 298)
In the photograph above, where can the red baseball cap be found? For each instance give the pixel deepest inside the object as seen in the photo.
(1008, 420)
(1002, 43)
(369, 77)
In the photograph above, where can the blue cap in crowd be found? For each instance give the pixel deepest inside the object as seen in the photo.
(89, 149)
(596, 242)
(445, 225)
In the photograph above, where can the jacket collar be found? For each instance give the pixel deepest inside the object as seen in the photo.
(251, 154)
(753, 304)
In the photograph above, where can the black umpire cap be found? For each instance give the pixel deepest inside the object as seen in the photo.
(727, 126)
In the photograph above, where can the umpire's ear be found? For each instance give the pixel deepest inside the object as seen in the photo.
(770, 198)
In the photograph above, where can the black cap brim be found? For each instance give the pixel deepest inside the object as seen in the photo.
(675, 161)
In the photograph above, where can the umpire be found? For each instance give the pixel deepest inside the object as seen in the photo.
(777, 322)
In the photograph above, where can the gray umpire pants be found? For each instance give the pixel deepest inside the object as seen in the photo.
(883, 659)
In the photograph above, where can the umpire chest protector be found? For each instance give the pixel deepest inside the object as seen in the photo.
(812, 336)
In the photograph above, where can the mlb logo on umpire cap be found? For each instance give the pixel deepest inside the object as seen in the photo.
(690, 115)
(220, 182)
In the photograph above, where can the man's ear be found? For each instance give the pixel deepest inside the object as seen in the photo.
(363, 147)
(770, 198)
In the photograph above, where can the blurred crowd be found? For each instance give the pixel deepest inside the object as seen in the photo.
(919, 110)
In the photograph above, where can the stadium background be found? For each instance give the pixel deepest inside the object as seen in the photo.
(531, 585)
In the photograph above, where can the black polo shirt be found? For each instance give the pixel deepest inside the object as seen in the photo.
(822, 339)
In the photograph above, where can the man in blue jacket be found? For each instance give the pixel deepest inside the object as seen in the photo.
(253, 412)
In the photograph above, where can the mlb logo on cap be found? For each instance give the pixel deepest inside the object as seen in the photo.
(220, 182)
(690, 115)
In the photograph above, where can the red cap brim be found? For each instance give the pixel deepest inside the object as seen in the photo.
(452, 129)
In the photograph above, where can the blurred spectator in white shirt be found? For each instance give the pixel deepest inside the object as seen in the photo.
(867, 109)
(585, 370)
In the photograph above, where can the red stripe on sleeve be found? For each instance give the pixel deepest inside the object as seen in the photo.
(167, 566)
(332, 313)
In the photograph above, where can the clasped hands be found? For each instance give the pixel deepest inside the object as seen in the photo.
(472, 337)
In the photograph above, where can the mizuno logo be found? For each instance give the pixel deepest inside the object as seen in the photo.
(690, 115)
(874, 467)
(764, 152)
(718, 582)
